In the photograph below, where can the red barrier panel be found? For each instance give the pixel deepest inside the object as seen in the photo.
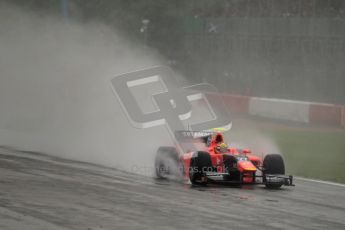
(343, 116)
(237, 104)
(325, 114)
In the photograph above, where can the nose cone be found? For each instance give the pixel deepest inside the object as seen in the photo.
(246, 166)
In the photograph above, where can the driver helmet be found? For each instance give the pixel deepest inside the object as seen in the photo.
(222, 148)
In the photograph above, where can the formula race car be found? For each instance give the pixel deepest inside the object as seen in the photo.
(203, 157)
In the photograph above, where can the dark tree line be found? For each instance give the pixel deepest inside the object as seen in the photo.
(279, 48)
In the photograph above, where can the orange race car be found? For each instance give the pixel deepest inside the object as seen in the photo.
(204, 157)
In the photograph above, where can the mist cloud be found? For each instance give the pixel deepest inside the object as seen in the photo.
(55, 93)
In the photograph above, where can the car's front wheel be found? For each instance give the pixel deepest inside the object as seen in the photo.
(273, 165)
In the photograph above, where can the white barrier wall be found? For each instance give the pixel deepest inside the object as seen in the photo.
(301, 111)
(279, 109)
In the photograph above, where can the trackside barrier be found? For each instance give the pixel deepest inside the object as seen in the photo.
(343, 116)
(325, 114)
(307, 112)
(279, 109)
(236, 104)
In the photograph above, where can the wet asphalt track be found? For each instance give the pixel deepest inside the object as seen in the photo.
(41, 192)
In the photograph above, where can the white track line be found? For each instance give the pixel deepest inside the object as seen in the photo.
(320, 181)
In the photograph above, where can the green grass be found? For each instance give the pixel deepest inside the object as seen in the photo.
(311, 154)
(317, 153)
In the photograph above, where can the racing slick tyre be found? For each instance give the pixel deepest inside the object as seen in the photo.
(273, 164)
(200, 163)
(166, 162)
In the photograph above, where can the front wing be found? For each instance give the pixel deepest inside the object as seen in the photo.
(266, 179)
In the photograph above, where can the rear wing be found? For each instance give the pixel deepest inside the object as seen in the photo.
(193, 136)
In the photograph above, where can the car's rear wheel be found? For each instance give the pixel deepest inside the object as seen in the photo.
(166, 162)
(273, 164)
(200, 163)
